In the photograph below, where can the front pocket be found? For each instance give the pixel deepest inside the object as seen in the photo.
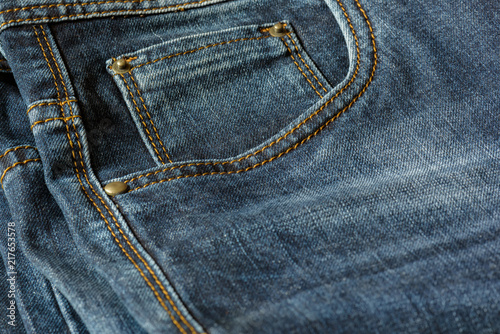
(218, 95)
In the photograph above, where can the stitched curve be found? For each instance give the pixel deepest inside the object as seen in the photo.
(162, 288)
(77, 172)
(293, 129)
(17, 148)
(14, 165)
(375, 60)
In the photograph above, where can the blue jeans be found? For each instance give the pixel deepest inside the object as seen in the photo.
(247, 166)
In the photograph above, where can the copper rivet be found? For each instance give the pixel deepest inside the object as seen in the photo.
(121, 66)
(278, 30)
(115, 188)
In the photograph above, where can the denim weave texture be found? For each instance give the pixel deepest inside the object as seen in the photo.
(340, 175)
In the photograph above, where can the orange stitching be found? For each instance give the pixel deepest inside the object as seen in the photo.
(122, 233)
(162, 288)
(83, 4)
(17, 148)
(200, 48)
(292, 130)
(142, 118)
(58, 96)
(103, 12)
(301, 71)
(371, 33)
(85, 191)
(148, 282)
(54, 119)
(49, 104)
(57, 65)
(305, 64)
(286, 134)
(150, 119)
(50, 67)
(14, 165)
(116, 222)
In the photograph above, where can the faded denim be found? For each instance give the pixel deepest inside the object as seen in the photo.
(342, 178)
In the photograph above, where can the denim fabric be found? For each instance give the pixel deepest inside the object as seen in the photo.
(341, 178)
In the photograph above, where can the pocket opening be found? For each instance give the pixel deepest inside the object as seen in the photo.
(217, 95)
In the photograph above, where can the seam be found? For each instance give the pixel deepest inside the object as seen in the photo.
(14, 165)
(17, 148)
(200, 48)
(375, 60)
(305, 64)
(142, 119)
(300, 69)
(49, 104)
(114, 218)
(50, 67)
(85, 4)
(109, 212)
(180, 6)
(286, 134)
(150, 119)
(54, 119)
(57, 66)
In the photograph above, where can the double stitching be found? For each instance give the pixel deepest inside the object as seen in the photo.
(59, 103)
(53, 119)
(196, 50)
(305, 64)
(292, 130)
(372, 74)
(83, 4)
(14, 165)
(69, 5)
(142, 119)
(174, 320)
(178, 6)
(200, 48)
(300, 69)
(149, 116)
(143, 102)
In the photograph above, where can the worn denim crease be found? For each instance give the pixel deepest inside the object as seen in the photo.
(341, 177)
(65, 119)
